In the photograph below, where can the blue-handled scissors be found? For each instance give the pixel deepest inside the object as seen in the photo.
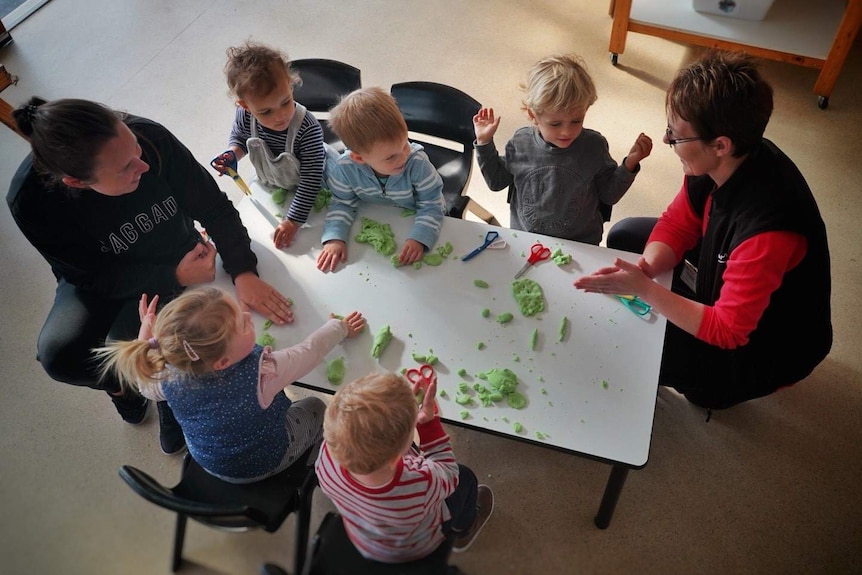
(492, 241)
(538, 253)
(636, 304)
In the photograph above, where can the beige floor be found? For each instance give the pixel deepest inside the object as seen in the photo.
(772, 486)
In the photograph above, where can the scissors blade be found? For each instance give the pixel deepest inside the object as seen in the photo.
(265, 212)
(473, 254)
(523, 270)
(239, 181)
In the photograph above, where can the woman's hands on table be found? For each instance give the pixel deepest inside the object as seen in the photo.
(256, 294)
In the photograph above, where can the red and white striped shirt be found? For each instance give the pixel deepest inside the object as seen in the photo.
(399, 521)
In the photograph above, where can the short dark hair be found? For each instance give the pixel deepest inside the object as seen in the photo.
(723, 94)
(66, 135)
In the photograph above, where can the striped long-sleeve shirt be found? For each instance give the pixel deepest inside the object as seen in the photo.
(399, 521)
(418, 187)
(307, 147)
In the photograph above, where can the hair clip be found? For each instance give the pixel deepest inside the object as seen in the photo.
(190, 351)
(154, 343)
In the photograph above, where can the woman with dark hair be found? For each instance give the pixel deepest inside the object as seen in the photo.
(110, 201)
(749, 311)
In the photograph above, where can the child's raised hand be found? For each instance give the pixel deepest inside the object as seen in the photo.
(640, 150)
(147, 314)
(285, 233)
(334, 252)
(411, 252)
(428, 409)
(485, 125)
(223, 161)
(355, 323)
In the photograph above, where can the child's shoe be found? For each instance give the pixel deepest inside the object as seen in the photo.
(171, 438)
(131, 407)
(484, 507)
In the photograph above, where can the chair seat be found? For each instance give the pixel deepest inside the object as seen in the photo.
(334, 554)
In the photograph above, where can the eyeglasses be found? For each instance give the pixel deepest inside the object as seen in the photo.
(671, 142)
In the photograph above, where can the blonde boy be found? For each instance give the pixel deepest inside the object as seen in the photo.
(379, 166)
(398, 504)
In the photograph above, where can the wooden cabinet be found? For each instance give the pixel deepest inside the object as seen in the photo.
(813, 34)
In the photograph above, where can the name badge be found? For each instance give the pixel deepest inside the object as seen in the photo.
(689, 276)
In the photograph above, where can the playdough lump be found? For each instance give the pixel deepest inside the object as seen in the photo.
(480, 283)
(279, 195)
(564, 327)
(534, 338)
(529, 295)
(560, 258)
(335, 371)
(445, 249)
(505, 317)
(321, 200)
(381, 340)
(266, 339)
(379, 235)
(432, 259)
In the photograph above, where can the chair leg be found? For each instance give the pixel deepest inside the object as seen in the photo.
(303, 527)
(482, 213)
(179, 540)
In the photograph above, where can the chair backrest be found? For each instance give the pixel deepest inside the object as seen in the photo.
(324, 82)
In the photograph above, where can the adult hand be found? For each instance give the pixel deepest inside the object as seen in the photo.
(411, 252)
(147, 314)
(621, 278)
(223, 161)
(640, 150)
(334, 252)
(197, 266)
(254, 293)
(285, 233)
(485, 125)
(427, 411)
(355, 323)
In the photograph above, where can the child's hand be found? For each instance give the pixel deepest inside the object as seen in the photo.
(147, 313)
(334, 252)
(485, 124)
(411, 252)
(285, 233)
(428, 409)
(355, 323)
(223, 161)
(640, 150)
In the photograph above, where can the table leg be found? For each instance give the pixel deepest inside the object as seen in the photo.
(614, 487)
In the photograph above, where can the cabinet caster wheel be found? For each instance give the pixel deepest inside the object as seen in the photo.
(822, 102)
(614, 58)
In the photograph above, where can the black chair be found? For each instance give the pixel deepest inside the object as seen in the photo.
(445, 113)
(219, 504)
(324, 82)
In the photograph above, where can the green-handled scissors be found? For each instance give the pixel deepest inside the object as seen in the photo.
(636, 304)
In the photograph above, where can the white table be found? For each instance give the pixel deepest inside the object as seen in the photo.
(592, 394)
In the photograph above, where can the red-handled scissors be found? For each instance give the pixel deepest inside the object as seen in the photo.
(538, 253)
(424, 375)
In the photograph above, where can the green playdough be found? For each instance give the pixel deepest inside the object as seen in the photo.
(463, 387)
(417, 264)
(480, 283)
(321, 200)
(517, 427)
(480, 346)
(516, 400)
(505, 317)
(560, 258)
(564, 327)
(335, 371)
(465, 414)
(529, 295)
(443, 393)
(432, 259)
(266, 339)
(445, 249)
(418, 358)
(534, 338)
(431, 360)
(279, 195)
(380, 236)
(486, 312)
(381, 340)
(464, 399)
(267, 324)
(407, 212)
(462, 372)
(503, 380)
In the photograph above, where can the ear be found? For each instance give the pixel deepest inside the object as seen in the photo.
(221, 363)
(241, 103)
(74, 182)
(723, 146)
(532, 117)
(356, 157)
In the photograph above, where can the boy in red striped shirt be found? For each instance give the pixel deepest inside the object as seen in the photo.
(397, 504)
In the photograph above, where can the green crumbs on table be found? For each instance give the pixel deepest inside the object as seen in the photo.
(266, 339)
(417, 265)
(480, 346)
(279, 195)
(604, 384)
(442, 393)
(432, 259)
(540, 435)
(267, 324)
(560, 258)
(381, 340)
(529, 295)
(418, 358)
(505, 317)
(322, 199)
(445, 249)
(564, 328)
(464, 399)
(431, 360)
(462, 372)
(517, 427)
(506, 419)
(486, 312)
(534, 338)
(407, 212)
(464, 414)
(544, 391)
(463, 387)
(480, 283)
(379, 235)
(335, 371)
